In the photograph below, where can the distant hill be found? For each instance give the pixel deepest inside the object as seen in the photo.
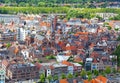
(52, 3)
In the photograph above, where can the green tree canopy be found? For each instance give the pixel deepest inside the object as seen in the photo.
(55, 77)
(117, 53)
(42, 78)
(108, 70)
(69, 76)
(96, 72)
(63, 76)
(83, 73)
(49, 78)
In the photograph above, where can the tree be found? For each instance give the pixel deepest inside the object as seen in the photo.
(114, 70)
(63, 76)
(8, 45)
(103, 73)
(118, 39)
(106, 24)
(96, 72)
(41, 4)
(107, 70)
(76, 74)
(22, 4)
(42, 78)
(109, 27)
(49, 78)
(89, 73)
(55, 77)
(83, 73)
(89, 78)
(69, 76)
(117, 53)
(99, 18)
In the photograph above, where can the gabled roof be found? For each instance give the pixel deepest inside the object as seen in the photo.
(5, 62)
(70, 48)
(39, 37)
(67, 63)
(38, 65)
(99, 79)
(82, 33)
(94, 54)
(78, 59)
(63, 81)
(47, 24)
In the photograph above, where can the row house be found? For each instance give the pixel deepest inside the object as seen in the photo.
(58, 68)
(96, 63)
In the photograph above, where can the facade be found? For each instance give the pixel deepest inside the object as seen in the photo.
(25, 54)
(88, 64)
(2, 76)
(8, 36)
(77, 68)
(58, 69)
(106, 15)
(9, 18)
(19, 72)
(95, 66)
(21, 34)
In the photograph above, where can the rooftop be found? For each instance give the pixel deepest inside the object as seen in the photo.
(22, 65)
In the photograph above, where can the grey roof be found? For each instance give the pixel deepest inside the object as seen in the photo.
(92, 26)
(39, 37)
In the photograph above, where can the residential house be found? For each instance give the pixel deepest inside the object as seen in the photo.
(25, 53)
(92, 28)
(39, 39)
(106, 15)
(70, 66)
(77, 67)
(41, 68)
(73, 80)
(95, 64)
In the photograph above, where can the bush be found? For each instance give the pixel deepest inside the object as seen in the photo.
(50, 57)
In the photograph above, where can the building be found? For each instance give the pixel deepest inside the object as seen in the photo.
(2, 76)
(21, 72)
(21, 34)
(106, 15)
(88, 64)
(9, 18)
(59, 68)
(25, 54)
(8, 36)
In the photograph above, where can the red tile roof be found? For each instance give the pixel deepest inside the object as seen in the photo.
(94, 54)
(63, 81)
(99, 79)
(45, 24)
(70, 48)
(67, 63)
(82, 33)
(5, 62)
(38, 65)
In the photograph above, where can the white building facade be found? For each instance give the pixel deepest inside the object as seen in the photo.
(21, 34)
